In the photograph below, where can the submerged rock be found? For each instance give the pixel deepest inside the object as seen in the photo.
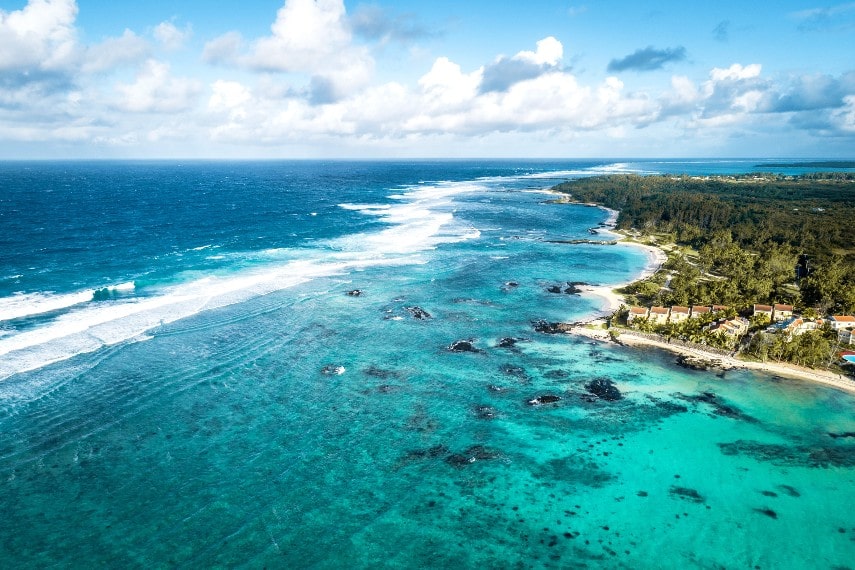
(843, 434)
(418, 313)
(471, 455)
(332, 370)
(768, 512)
(507, 342)
(485, 412)
(719, 407)
(687, 494)
(514, 370)
(553, 289)
(544, 399)
(355, 293)
(429, 453)
(815, 456)
(463, 346)
(604, 389)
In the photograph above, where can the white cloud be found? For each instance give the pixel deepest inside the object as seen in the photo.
(171, 37)
(736, 72)
(549, 52)
(156, 91)
(311, 37)
(41, 35)
(112, 52)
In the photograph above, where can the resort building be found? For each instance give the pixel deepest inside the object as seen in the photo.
(659, 315)
(781, 312)
(679, 314)
(698, 311)
(794, 326)
(636, 313)
(840, 322)
(763, 310)
(846, 336)
(734, 327)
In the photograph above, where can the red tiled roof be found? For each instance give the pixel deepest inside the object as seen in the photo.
(700, 309)
(779, 307)
(765, 308)
(844, 318)
(659, 310)
(638, 310)
(678, 309)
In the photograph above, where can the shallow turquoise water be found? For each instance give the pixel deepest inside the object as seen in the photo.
(217, 440)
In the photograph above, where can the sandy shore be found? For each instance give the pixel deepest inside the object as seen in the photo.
(727, 362)
(611, 301)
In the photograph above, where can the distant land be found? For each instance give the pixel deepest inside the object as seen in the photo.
(818, 164)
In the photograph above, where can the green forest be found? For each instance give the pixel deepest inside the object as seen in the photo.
(737, 239)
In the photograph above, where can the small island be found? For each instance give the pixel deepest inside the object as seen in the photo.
(758, 270)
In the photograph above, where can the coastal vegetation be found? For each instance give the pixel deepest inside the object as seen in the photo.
(737, 241)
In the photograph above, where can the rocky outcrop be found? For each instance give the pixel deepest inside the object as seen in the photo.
(463, 346)
(418, 313)
(546, 327)
(544, 399)
(604, 389)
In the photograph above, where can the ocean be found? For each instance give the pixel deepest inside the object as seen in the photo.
(331, 364)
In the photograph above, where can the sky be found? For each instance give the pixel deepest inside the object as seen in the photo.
(440, 79)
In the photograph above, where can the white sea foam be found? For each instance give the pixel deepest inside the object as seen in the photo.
(420, 219)
(29, 304)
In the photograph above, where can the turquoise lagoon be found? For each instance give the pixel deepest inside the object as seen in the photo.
(188, 383)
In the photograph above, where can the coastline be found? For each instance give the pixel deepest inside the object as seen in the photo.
(611, 301)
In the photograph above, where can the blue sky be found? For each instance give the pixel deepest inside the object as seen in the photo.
(326, 78)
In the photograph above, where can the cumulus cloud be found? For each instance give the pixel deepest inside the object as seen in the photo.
(505, 72)
(310, 37)
(41, 36)
(170, 36)
(112, 52)
(648, 59)
(155, 90)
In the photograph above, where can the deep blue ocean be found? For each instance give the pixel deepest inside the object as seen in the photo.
(188, 378)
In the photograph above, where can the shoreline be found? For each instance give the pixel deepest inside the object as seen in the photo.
(626, 338)
(656, 258)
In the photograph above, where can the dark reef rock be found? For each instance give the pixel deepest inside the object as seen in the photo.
(767, 511)
(542, 326)
(555, 374)
(471, 455)
(842, 435)
(554, 289)
(418, 313)
(719, 407)
(433, 452)
(354, 293)
(485, 412)
(604, 389)
(544, 399)
(512, 284)
(382, 373)
(686, 494)
(508, 342)
(789, 490)
(332, 370)
(514, 370)
(463, 346)
(816, 456)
